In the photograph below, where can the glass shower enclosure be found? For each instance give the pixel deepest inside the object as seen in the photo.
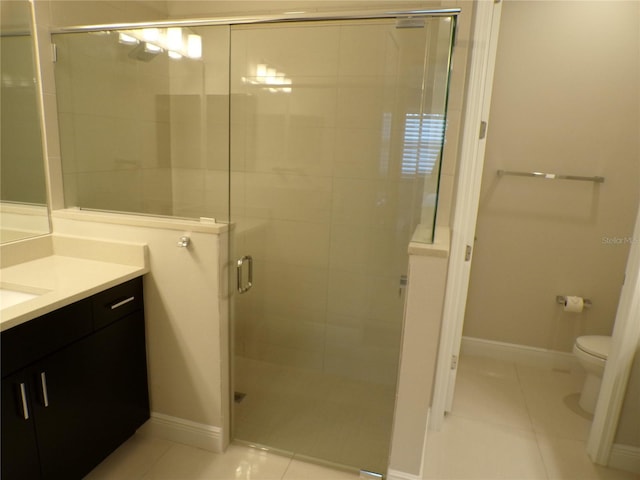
(320, 142)
(336, 134)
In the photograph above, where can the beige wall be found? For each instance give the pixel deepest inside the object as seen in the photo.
(565, 101)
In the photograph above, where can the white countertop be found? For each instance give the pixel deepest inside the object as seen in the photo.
(62, 279)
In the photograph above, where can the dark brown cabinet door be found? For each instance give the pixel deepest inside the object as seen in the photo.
(96, 398)
(19, 448)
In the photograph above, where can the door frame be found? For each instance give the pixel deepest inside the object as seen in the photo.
(484, 46)
(624, 344)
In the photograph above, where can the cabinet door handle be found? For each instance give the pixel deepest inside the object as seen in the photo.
(123, 302)
(45, 393)
(23, 397)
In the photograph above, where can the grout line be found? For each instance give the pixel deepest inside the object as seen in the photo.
(286, 470)
(544, 463)
(524, 396)
(152, 464)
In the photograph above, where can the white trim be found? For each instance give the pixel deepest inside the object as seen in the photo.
(519, 354)
(203, 225)
(624, 344)
(184, 431)
(398, 475)
(484, 46)
(625, 457)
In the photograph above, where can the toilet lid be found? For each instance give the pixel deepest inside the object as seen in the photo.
(596, 345)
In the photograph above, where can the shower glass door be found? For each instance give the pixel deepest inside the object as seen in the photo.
(336, 133)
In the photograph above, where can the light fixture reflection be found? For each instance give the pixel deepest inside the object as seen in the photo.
(174, 39)
(151, 48)
(194, 46)
(270, 78)
(177, 42)
(127, 39)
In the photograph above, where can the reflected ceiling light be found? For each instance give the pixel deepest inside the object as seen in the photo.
(175, 41)
(150, 34)
(127, 39)
(270, 78)
(261, 70)
(194, 46)
(151, 48)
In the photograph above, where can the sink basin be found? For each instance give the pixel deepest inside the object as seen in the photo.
(10, 297)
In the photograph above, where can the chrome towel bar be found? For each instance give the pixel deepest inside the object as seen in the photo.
(550, 176)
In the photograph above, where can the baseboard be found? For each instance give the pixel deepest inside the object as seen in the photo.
(398, 475)
(625, 457)
(184, 431)
(519, 354)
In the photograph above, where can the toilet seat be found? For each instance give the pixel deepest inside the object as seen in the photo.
(596, 345)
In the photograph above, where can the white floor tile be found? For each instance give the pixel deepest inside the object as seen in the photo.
(471, 449)
(508, 422)
(489, 390)
(308, 471)
(319, 415)
(131, 460)
(182, 462)
(548, 394)
(567, 459)
(488, 367)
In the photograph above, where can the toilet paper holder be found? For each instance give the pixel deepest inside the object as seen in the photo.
(561, 299)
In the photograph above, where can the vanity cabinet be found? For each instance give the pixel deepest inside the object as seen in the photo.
(74, 398)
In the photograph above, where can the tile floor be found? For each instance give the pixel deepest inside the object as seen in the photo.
(320, 415)
(514, 422)
(508, 422)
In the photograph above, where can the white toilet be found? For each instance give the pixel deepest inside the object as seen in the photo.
(592, 352)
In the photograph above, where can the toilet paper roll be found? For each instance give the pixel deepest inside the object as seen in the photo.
(573, 304)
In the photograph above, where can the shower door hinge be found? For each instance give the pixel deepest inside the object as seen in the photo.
(54, 52)
(483, 129)
(467, 253)
(454, 362)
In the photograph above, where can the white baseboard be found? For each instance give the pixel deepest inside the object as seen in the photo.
(519, 354)
(625, 457)
(397, 475)
(184, 431)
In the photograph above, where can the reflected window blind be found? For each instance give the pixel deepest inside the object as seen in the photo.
(423, 137)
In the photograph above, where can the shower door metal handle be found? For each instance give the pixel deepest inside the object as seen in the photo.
(246, 287)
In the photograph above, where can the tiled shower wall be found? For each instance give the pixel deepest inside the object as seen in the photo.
(143, 136)
(113, 114)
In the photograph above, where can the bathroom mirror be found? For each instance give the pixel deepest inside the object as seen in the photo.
(23, 194)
